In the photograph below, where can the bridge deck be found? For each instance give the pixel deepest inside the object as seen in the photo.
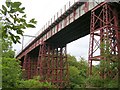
(78, 28)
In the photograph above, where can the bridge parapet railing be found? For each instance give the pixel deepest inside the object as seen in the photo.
(63, 10)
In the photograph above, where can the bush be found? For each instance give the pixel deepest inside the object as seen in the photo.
(31, 83)
(11, 73)
(34, 83)
(94, 81)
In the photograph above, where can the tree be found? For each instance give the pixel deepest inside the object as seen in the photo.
(12, 76)
(74, 77)
(72, 61)
(77, 72)
(11, 69)
(13, 21)
(7, 48)
(11, 72)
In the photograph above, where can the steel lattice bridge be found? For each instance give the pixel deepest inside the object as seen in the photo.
(46, 56)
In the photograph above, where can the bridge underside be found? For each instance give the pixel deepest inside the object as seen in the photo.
(49, 60)
(77, 29)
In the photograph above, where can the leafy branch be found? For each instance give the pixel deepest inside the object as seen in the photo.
(13, 21)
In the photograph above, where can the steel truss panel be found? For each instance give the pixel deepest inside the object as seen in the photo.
(26, 67)
(52, 64)
(29, 66)
(104, 33)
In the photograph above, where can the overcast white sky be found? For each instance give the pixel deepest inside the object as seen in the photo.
(43, 11)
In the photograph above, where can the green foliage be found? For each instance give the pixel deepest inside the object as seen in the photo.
(77, 72)
(79, 78)
(112, 84)
(94, 81)
(0, 72)
(73, 71)
(7, 48)
(72, 61)
(13, 21)
(32, 83)
(74, 76)
(98, 82)
(6, 44)
(83, 66)
(12, 76)
(9, 54)
(109, 65)
(11, 72)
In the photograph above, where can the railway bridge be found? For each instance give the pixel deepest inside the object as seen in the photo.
(46, 54)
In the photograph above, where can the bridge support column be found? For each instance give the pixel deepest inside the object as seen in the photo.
(26, 67)
(29, 66)
(52, 64)
(104, 35)
(33, 65)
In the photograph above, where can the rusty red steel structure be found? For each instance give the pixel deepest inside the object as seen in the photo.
(46, 55)
(52, 64)
(104, 31)
(48, 60)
